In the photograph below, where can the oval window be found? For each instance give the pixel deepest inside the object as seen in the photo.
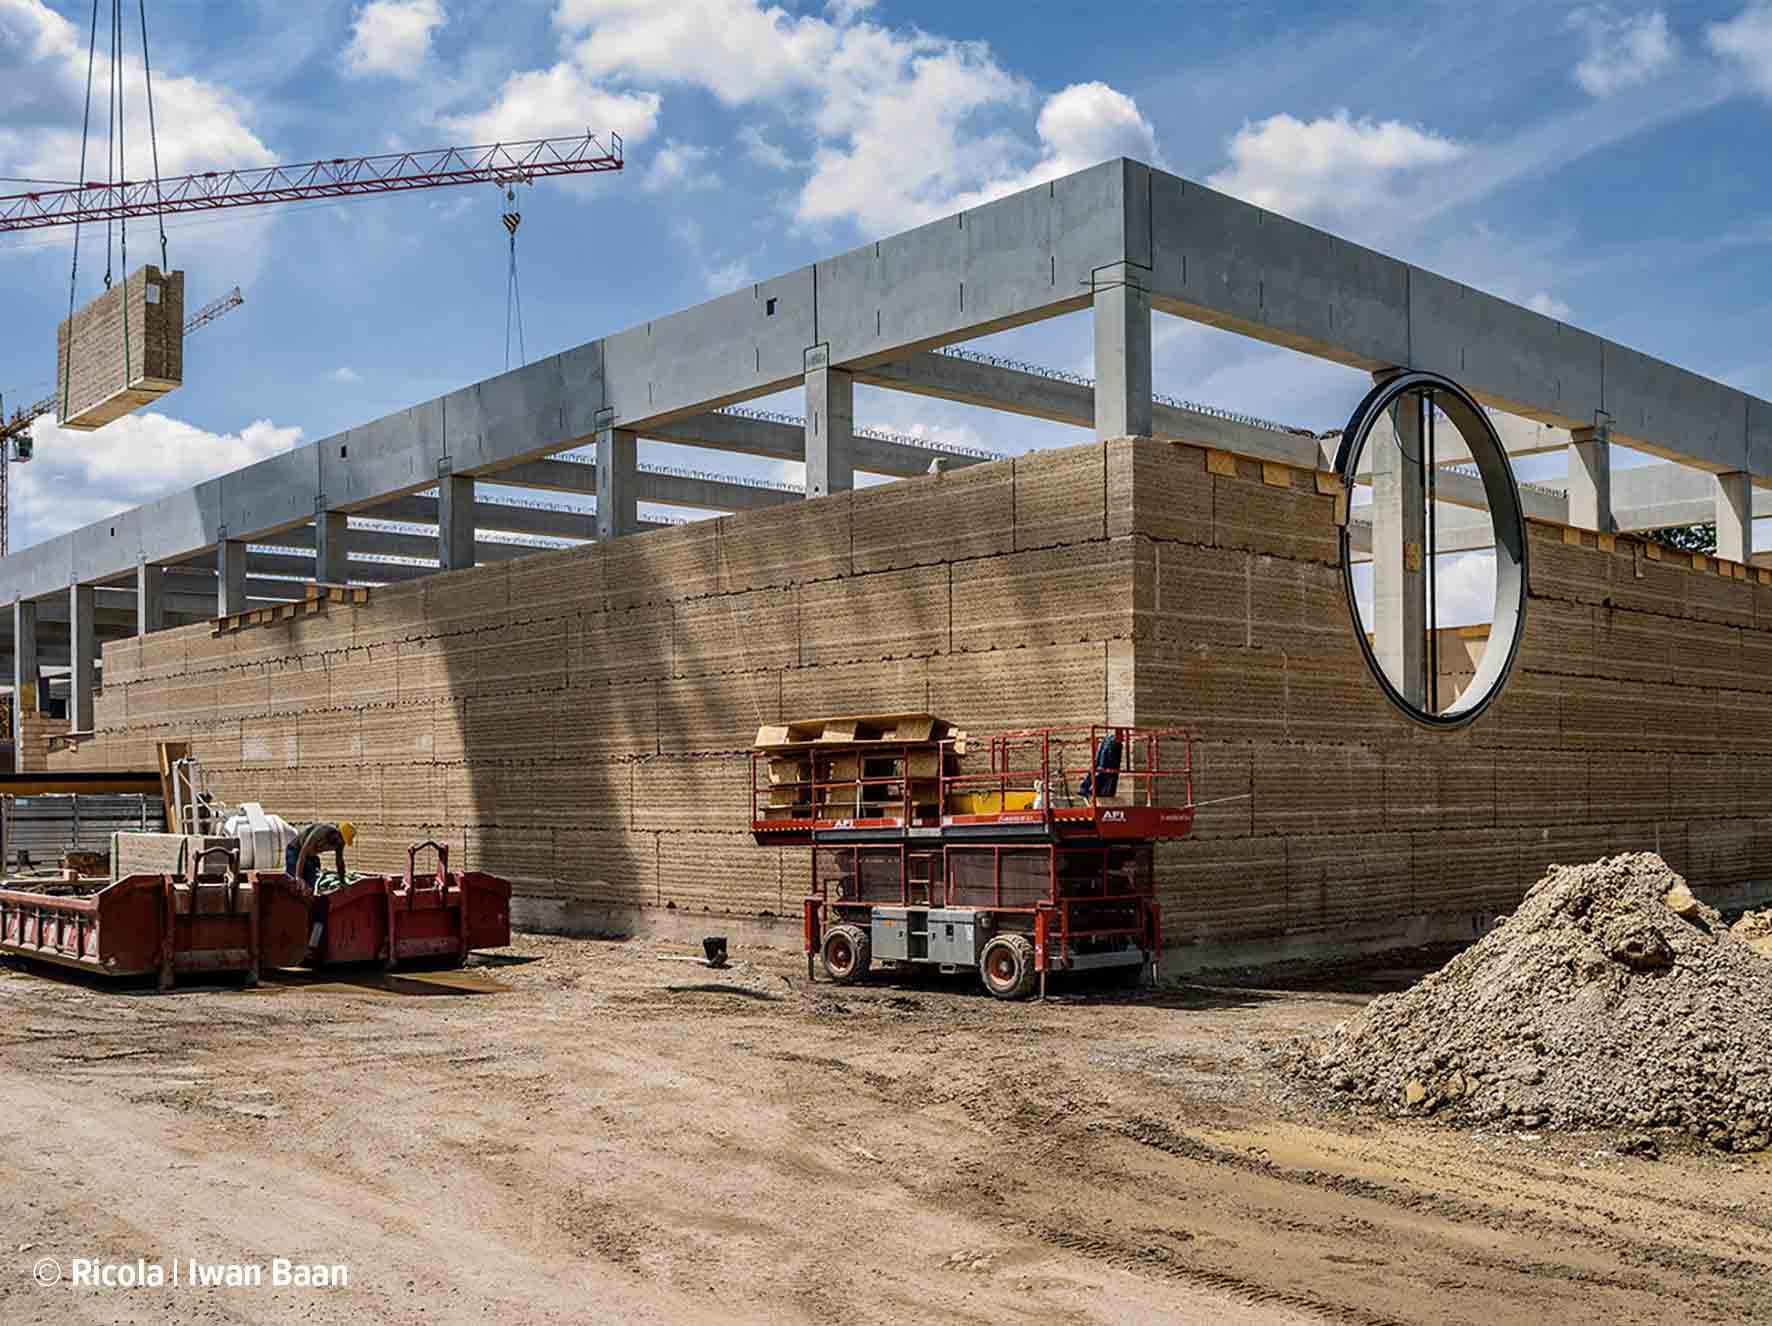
(1433, 547)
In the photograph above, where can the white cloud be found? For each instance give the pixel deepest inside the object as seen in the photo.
(679, 166)
(1622, 50)
(200, 124)
(561, 100)
(78, 477)
(720, 275)
(1078, 127)
(1464, 588)
(901, 125)
(759, 149)
(346, 374)
(1746, 39)
(393, 37)
(1543, 302)
(727, 277)
(737, 49)
(1334, 168)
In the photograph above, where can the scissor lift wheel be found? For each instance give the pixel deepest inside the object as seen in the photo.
(1007, 965)
(847, 954)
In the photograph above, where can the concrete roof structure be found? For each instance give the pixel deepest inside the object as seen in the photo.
(1120, 238)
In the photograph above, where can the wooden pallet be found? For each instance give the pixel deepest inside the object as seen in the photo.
(318, 597)
(902, 729)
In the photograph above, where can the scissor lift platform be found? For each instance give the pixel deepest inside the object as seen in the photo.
(1017, 853)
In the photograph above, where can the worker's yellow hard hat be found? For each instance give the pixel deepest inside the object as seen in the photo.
(347, 831)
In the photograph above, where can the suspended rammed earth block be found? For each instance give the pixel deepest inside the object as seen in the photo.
(107, 377)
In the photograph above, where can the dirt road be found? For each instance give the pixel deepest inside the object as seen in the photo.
(580, 1132)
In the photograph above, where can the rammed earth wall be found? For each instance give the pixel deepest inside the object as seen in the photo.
(578, 720)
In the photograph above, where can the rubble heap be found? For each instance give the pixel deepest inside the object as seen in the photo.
(1611, 998)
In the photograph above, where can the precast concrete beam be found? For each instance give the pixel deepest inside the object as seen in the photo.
(1590, 479)
(114, 611)
(1456, 488)
(1122, 353)
(366, 543)
(1519, 437)
(552, 476)
(697, 494)
(489, 517)
(1037, 396)
(82, 656)
(744, 434)
(778, 440)
(684, 490)
(1664, 495)
(301, 570)
(617, 488)
(987, 386)
(1734, 516)
(1455, 531)
(1034, 254)
(830, 426)
(190, 591)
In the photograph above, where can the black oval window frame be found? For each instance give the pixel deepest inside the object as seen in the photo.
(1506, 515)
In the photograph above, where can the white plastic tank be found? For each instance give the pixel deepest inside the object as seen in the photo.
(264, 839)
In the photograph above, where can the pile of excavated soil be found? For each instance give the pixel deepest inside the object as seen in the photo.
(1612, 998)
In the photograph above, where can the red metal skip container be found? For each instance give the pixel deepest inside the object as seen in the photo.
(206, 923)
(393, 919)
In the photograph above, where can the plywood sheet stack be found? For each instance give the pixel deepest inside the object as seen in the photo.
(122, 351)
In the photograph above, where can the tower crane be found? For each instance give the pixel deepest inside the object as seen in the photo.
(117, 198)
(337, 177)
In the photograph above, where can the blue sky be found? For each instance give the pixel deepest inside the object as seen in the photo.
(1604, 163)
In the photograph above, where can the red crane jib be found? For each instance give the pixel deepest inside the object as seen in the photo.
(393, 172)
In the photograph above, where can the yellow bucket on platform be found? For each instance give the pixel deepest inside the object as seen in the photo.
(992, 802)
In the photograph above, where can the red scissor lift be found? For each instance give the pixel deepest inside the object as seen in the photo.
(1017, 853)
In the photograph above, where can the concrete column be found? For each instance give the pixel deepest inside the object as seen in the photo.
(1590, 479)
(1122, 354)
(1735, 516)
(230, 577)
(82, 657)
(1399, 536)
(150, 598)
(332, 548)
(24, 670)
(830, 426)
(455, 521)
(618, 467)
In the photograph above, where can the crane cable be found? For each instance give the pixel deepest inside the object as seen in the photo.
(153, 136)
(119, 178)
(512, 218)
(67, 367)
(116, 175)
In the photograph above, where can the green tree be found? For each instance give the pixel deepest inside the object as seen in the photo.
(1686, 538)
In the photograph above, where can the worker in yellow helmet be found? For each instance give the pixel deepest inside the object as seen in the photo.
(303, 856)
(304, 864)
